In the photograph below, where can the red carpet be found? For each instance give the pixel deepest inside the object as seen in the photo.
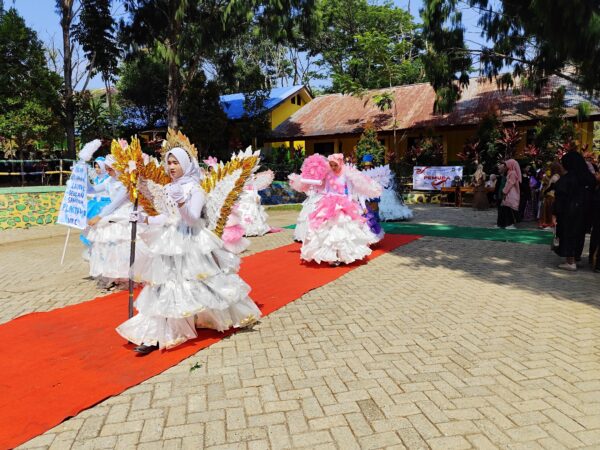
(55, 364)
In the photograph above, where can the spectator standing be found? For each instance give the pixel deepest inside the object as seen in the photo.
(571, 206)
(547, 193)
(480, 200)
(509, 209)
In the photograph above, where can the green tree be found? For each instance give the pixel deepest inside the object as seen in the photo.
(29, 101)
(554, 130)
(96, 33)
(525, 37)
(187, 34)
(385, 101)
(142, 88)
(94, 120)
(369, 144)
(367, 45)
(87, 23)
(204, 121)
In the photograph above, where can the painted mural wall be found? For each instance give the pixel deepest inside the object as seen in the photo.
(35, 206)
(27, 207)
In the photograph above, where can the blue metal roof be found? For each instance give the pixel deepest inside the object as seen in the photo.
(233, 104)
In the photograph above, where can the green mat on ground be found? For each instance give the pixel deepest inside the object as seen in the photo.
(451, 231)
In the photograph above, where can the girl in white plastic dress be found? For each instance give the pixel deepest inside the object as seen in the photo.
(253, 216)
(192, 279)
(110, 233)
(313, 192)
(391, 205)
(337, 231)
(98, 196)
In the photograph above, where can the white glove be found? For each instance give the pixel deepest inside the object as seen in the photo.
(138, 216)
(175, 192)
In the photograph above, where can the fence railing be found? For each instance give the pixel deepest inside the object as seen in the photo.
(43, 172)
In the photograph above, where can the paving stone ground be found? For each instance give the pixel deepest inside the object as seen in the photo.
(441, 344)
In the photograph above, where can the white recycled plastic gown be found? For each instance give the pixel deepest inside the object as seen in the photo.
(192, 280)
(252, 213)
(308, 206)
(111, 237)
(391, 207)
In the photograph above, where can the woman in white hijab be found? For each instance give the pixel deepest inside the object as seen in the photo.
(192, 279)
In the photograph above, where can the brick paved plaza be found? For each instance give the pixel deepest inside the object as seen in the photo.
(442, 344)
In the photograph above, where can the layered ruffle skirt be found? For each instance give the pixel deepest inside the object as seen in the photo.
(337, 232)
(253, 216)
(391, 207)
(308, 206)
(110, 241)
(192, 282)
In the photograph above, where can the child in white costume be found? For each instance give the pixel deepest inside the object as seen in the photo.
(337, 231)
(314, 193)
(192, 279)
(391, 206)
(252, 213)
(110, 232)
(98, 198)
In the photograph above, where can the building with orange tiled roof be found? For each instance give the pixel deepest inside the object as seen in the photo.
(334, 123)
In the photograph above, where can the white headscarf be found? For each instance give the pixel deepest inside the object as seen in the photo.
(191, 169)
(109, 161)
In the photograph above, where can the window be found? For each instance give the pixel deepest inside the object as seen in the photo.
(530, 136)
(325, 148)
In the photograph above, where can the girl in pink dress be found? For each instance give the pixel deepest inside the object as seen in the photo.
(337, 231)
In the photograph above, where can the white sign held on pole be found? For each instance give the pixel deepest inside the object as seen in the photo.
(73, 209)
(433, 178)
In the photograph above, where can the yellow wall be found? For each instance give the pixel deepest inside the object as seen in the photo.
(585, 134)
(287, 108)
(284, 111)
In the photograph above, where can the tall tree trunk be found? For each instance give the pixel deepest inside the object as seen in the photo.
(174, 88)
(110, 106)
(66, 7)
(173, 95)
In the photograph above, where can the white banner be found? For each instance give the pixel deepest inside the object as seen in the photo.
(434, 178)
(73, 209)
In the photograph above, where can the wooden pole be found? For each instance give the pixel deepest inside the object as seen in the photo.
(60, 162)
(62, 259)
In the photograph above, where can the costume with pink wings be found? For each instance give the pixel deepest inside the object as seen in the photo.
(309, 182)
(337, 231)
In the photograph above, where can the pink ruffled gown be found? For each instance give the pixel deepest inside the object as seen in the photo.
(337, 231)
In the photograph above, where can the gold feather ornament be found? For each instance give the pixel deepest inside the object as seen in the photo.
(136, 168)
(241, 165)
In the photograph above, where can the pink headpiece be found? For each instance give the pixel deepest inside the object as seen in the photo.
(338, 158)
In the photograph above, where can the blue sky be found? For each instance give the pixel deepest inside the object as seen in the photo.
(41, 16)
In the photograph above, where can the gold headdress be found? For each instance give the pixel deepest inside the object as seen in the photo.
(178, 139)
